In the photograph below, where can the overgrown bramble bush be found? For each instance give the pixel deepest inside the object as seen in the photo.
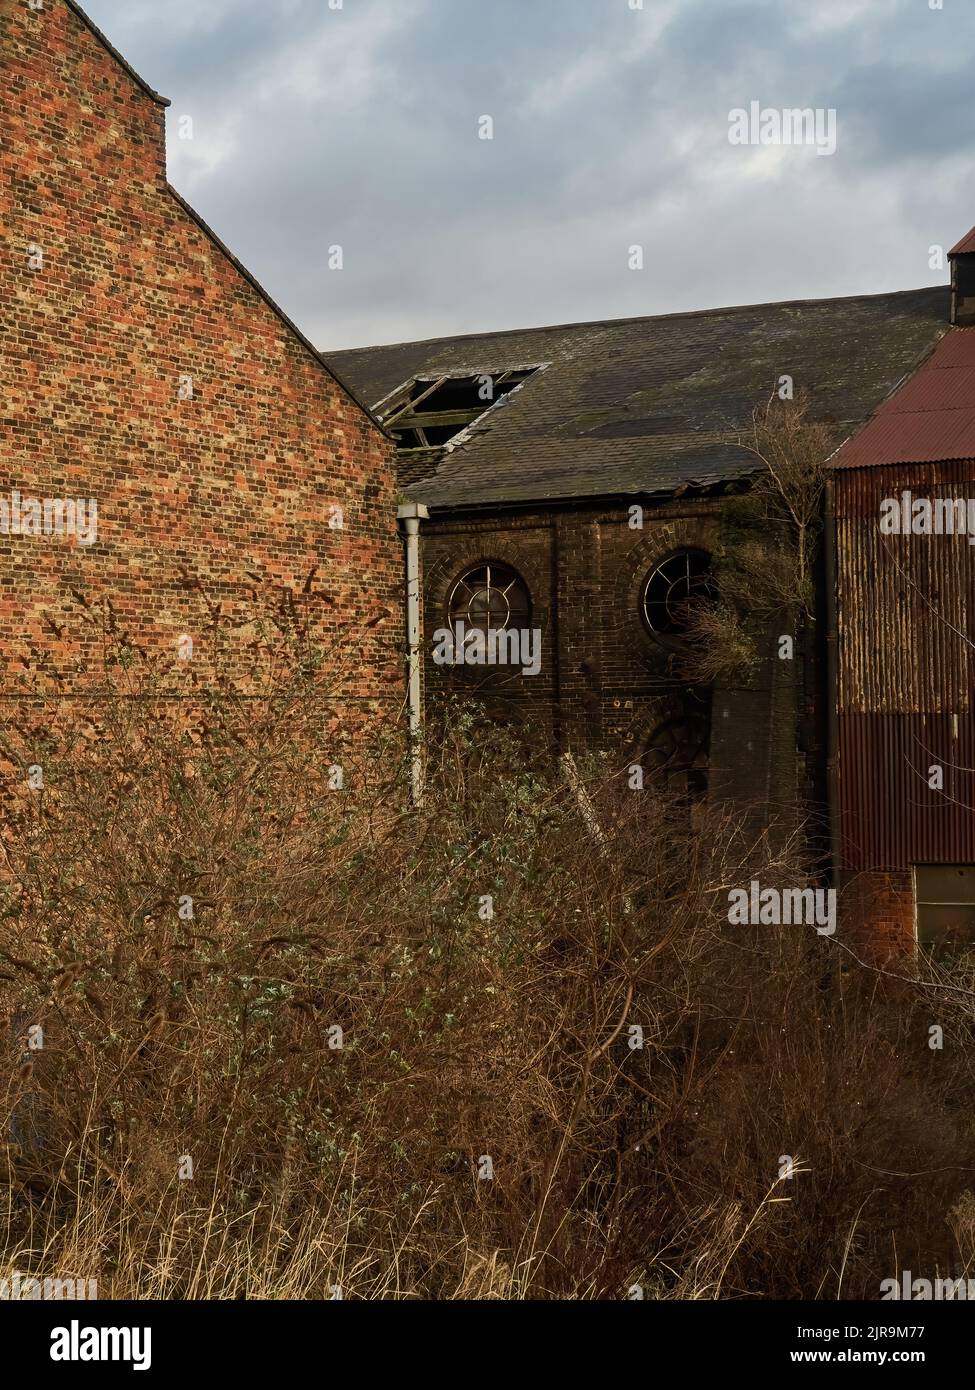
(561, 1072)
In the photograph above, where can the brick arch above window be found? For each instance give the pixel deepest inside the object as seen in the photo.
(671, 742)
(657, 541)
(454, 561)
(675, 586)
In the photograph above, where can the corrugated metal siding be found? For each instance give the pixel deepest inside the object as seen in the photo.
(904, 602)
(906, 629)
(889, 816)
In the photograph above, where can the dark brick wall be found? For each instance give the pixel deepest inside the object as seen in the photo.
(606, 683)
(201, 501)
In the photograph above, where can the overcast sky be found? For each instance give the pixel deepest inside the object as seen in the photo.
(359, 127)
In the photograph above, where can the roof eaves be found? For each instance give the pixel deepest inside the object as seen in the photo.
(693, 487)
(93, 28)
(276, 309)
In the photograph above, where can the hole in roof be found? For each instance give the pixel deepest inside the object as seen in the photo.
(429, 411)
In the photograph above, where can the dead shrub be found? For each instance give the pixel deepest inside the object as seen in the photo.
(560, 1073)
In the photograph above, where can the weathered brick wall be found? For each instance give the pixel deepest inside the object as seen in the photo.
(111, 293)
(448, 549)
(877, 914)
(606, 682)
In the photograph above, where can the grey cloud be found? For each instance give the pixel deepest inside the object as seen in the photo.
(358, 127)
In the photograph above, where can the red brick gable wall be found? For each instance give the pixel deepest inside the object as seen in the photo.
(111, 297)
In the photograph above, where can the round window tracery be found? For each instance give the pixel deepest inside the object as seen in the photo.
(490, 598)
(674, 589)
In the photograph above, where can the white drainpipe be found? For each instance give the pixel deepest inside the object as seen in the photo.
(409, 516)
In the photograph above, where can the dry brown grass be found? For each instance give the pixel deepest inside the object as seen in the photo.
(316, 1167)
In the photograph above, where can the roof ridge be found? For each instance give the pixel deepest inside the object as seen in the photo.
(93, 28)
(637, 318)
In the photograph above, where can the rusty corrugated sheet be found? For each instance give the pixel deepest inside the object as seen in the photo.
(924, 437)
(859, 493)
(955, 349)
(906, 604)
(889, 817)
(935, 388)
(966, 246)
(905, 669)
(931, 417)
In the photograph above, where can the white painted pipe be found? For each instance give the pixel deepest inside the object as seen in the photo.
(410, 515)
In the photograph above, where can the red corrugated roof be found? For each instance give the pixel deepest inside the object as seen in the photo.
(930, 419)
(945, 388)
(957, 348)
(930, 436)
(966, 246)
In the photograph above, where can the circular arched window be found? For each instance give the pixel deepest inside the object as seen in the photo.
(490, 598)
(674, 589)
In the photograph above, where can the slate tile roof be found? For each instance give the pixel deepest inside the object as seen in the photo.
(640, 406)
